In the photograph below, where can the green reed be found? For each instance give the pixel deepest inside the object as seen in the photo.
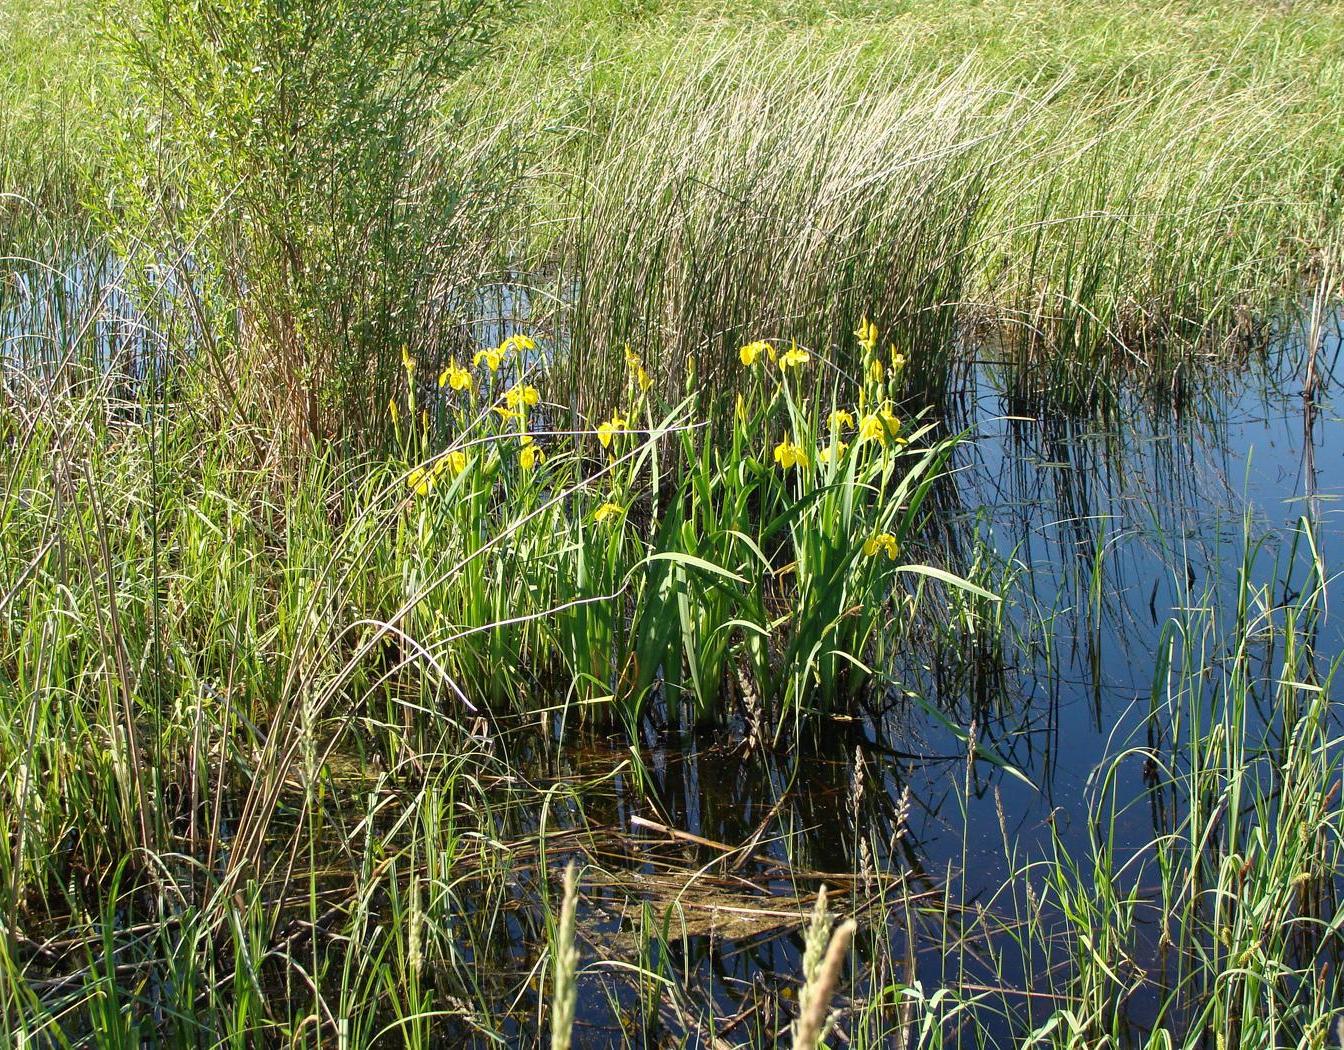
(243, 704)
(1221, 925)
(763, 189)
(241, 813)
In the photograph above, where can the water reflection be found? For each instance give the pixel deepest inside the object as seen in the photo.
(1103, 533)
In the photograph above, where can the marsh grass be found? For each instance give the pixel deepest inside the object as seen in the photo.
(770, 189)
(245, 704)
(260, 726)
(1136, 194)
(1222, 925)
(259, 882)
(743, 204)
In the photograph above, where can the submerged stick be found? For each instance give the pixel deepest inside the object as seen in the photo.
(685, 836)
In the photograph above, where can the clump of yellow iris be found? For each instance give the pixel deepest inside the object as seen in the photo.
(608, 430)
(455, 376)
(789, 454)
(882, 543)
(607, 512)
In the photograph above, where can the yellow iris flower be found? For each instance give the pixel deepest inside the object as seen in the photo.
(751, 353)
(422, 479)
(824, 456)
(883, 542)
(492, 357)
(606, 431)
(881, 425)
(455, 376)
(607, 511)
(876, 370)
(789, 454)
(531, 456)
(840, 419)
(794, 357)
(867, 335)
(517, 344)
(522, 395)
(407, 361)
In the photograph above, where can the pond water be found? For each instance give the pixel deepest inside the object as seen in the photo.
(1106, 532)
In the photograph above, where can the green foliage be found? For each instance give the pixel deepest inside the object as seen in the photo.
(301, 153)
(206, 662)
(1082, 234)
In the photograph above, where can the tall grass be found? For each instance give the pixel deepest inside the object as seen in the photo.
(770, 189)
(1126, 205)
(249, 797)
(214, 670)
(54, 90)
(1216, 923)
(765, 196)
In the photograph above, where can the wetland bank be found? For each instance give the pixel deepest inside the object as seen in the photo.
(861, 477)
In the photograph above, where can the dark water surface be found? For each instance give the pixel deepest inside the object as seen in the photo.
(1105, 533)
